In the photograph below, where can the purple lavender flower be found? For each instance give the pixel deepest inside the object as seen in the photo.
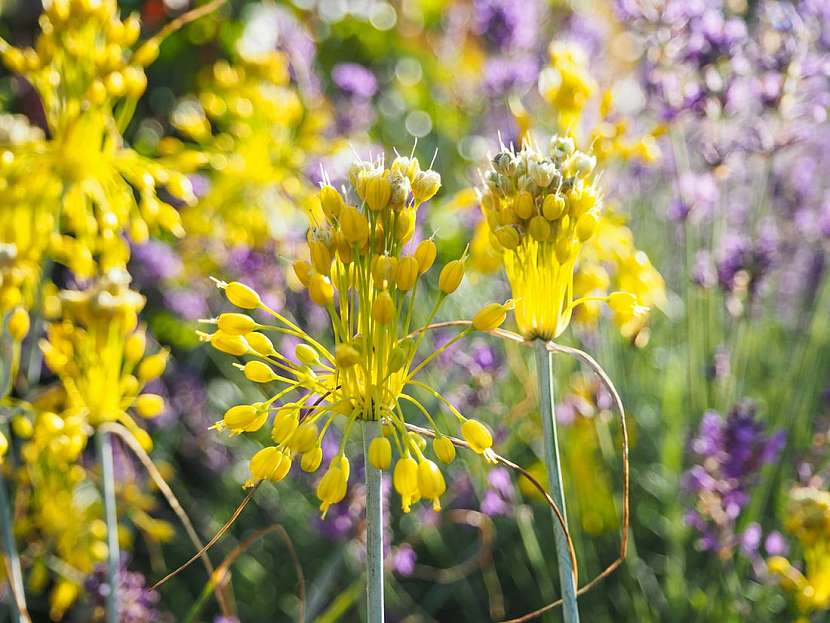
(154, 261)
(354, 80)
(403, 560)
(728, 454)
(136, 603)
(498, 498)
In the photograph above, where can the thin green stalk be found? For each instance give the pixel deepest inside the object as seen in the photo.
(544, 369)
(16, 579)
(374, 530)
(104, 444)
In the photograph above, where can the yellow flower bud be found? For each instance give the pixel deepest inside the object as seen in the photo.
(266, 463)
(303, 271)
(491, 316)
(4, 446)
(431, 483)
(232, 344)
(444, 449)
(508, 237)
(523, 205)
(258, 372)
(320, 290)
(134, 346)
(260, 343)
(380, 453)
(332, 487)
(235, 323)
(622, 302)
(406, 166)
(425, 185)
(425, 253)
(306, 354)
(331, 201)
(22, 426)
(406, 273)
(405, 481)
(564, 248)
(346, 355)
(285, 423)
(383, 308)
(378, 191)
(383, 269)
(477, 435)
(451, 276)
(304, 438)
(242, 296)
(18, 324)
(149, 405)
(405, 225)
(311, 460)
(586, 225)
(147, 53)
(397, 359)
(778, 564)
(244, 418)
(354, 225)
(539, 228)
(153, 366)
(320, 257)
(553, 207)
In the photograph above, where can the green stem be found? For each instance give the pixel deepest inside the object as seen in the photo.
(544, 369)
(104, 444)
(16, 579)
(374, 530)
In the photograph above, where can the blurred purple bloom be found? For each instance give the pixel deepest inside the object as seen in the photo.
(137, 603)
(728, 452)
(404, 559)
(154, 261)
(355, 80)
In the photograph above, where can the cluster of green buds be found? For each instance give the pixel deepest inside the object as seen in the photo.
(541, 208)
(359, 271)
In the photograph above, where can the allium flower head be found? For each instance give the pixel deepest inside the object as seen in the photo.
(88, 71)
(358, 271)
(541, 208)
(98, 354)
(808, 519)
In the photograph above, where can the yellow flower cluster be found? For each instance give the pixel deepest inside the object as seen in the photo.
(611, 261)
(808, 519)
(255, 134)
(82, 179)
(566, 84)
(358, 271)
(541, 209)
(98, 354)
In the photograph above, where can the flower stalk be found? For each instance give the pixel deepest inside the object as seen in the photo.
(544, 369)
(104, 445)
(374, 529)
(16, 579)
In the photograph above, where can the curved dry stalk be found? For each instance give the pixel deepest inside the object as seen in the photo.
(465, 568)
(625, 522)
(185, 18)
(220, 575)
(124, 434)
(460, 443)
(214, 539)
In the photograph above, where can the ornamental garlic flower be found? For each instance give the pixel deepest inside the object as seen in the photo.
(88, 71)
(541, 209)
(98, 354)
(358, 271)
(808, 519)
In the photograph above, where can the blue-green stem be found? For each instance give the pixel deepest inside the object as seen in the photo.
(544, 369)
(374, 529)
(104, 443)
(16, 579)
